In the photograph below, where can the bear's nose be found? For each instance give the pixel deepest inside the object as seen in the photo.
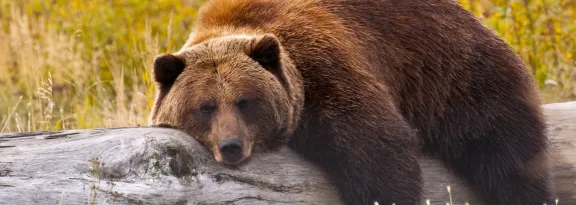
(231, 150)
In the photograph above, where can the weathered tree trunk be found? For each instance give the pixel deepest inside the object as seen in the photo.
(165, 166)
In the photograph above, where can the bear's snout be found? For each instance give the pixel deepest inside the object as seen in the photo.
(231, 150)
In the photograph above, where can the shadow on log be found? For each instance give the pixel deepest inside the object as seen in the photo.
(165, 166)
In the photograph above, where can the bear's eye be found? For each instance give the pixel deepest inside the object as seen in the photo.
(245, 103)
(207, 107)
(242, 103)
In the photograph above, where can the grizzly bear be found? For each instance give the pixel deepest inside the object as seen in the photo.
(362, 88)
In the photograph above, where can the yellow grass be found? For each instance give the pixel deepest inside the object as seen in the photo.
(83, 64)
(77, 64)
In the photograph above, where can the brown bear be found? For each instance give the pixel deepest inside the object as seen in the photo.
(361, 87)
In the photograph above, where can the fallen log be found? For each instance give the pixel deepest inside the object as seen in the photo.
(164, 166)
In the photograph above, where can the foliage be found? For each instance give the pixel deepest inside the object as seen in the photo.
(75, 64)
(543, 33)
(68, 64)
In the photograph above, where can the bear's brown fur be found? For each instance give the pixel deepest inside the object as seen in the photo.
(360, 86)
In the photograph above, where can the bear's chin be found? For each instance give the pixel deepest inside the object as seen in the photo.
(237, 163)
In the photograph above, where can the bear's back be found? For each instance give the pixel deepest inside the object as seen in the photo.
(425, 54)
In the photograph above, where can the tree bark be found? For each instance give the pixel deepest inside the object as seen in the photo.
(164, 166)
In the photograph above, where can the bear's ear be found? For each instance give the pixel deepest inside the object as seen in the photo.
(266, 51)
(167, 68)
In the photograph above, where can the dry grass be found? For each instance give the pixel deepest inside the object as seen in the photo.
(61, 71)
(60, 88)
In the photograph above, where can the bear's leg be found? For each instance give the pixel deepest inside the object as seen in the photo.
(371, 156)
(500, 148)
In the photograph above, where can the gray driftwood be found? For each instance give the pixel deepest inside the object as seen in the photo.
(164, 166)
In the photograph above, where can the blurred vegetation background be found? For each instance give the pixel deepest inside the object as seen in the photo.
(79, 64)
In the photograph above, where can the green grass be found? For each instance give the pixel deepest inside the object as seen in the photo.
(79, 64)
(83, 64)
(543, 33)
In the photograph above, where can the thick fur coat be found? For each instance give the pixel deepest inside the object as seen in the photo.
(361, 87)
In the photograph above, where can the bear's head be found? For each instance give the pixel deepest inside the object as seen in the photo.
(234, 94)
